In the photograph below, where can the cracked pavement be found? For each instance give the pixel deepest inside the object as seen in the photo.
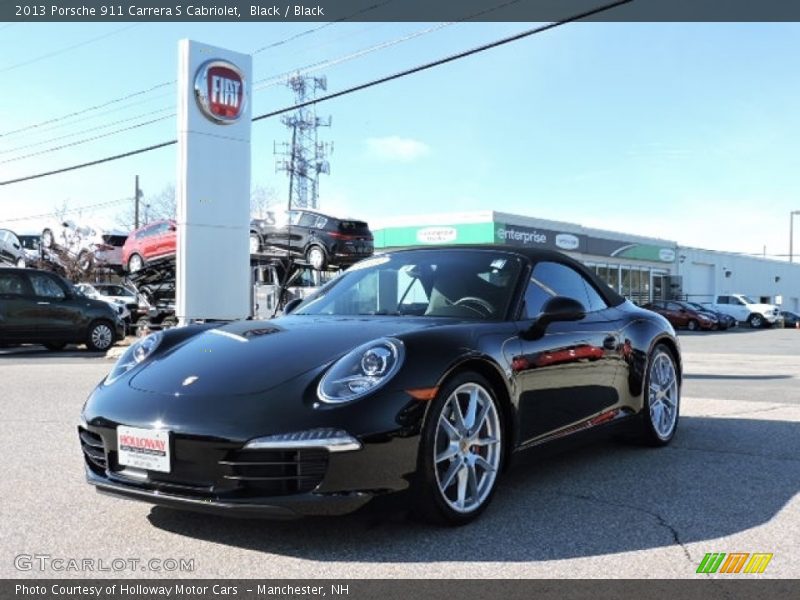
(729, 482)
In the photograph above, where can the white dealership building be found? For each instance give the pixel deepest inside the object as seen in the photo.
(640, 268)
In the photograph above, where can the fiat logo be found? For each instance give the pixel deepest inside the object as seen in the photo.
(219, 89)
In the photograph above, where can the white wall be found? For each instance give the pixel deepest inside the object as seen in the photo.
(703, 273)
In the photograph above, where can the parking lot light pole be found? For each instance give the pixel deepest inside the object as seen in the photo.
(791, 233)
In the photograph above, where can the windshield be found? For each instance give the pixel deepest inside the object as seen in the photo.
(30, 242)
(469, 284)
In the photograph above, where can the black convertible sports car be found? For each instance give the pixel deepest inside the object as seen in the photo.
(419, 370)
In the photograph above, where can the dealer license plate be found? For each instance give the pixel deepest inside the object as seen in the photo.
(143, 448)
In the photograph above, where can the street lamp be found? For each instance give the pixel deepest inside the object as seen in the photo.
(791, 233)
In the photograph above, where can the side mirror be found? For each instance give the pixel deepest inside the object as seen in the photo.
(291, 305)
(558, 308)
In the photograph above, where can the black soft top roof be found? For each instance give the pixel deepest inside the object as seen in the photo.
(535, 255)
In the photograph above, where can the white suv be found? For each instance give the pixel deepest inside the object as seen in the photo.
(743, 308)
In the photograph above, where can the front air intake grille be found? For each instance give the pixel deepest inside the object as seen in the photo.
(276, 472)
(93, 449)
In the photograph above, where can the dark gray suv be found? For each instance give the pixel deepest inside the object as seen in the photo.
(38, 307)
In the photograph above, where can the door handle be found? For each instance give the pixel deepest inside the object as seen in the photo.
(610, 342)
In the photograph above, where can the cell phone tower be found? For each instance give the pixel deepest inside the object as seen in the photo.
(304, 158)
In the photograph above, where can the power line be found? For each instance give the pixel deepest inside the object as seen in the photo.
(67, 49)
(87, 130)
(164, 83)
(356, 88)
(85, 140)
(66, 212)
(328, 24)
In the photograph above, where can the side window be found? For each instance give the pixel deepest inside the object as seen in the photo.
(45, 287)
(553, 279)
(723, 300)
(736, 301)
(307, 220)
(11, 284)
(321, 222)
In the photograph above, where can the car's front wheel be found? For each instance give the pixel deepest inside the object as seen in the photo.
(461, 451)
(756, 321)
(101, 336)
(692, 325)
(20, 263)
(661, 398)
(47, 238)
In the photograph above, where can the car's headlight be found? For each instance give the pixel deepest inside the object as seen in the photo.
(361, 371)
(137, 353)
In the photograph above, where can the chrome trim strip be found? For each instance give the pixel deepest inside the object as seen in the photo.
(331, 444)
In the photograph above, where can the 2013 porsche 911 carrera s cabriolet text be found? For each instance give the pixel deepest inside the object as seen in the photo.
(420, 371)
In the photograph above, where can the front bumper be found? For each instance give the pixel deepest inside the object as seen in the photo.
(279, 508)
(211, 474)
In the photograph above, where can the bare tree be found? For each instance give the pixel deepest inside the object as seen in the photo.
(263, 199)
(151, 208)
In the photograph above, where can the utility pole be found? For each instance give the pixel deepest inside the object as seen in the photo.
(305, 158)
(137, 195)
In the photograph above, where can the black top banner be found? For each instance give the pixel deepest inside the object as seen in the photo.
(397, 10)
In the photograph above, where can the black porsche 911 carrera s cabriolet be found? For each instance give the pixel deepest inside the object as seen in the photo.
(419, 371)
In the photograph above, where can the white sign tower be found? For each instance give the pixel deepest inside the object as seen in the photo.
(213, 189)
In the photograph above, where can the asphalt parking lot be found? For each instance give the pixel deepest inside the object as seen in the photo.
(728, 483)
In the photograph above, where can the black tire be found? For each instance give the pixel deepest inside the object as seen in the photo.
(101, 336)
(55, 346)
(85, 260)
(649, 433)
(429, 499)
(756, 321)
(317, 257)
(48, 239)
(142, 327)
(692, 325)
(169, 323)
(135, 263)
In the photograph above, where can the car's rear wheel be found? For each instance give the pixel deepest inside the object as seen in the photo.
(661, 398)
(692, 325)
(85, 260)
(135, 263)
(316, 257)
(47, 238)
(55, 346)
(101, 336)
(255, 243)
(461, 452)
(756, 321)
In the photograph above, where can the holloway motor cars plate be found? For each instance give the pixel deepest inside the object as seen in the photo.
(143, 448)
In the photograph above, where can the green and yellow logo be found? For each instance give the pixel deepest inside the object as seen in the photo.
(734, 562)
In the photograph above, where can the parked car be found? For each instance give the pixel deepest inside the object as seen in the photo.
(31, 245)
(320, 239)
(92, 244)
(790, 319)
(421, 370)
(119, 293)
(11, 250)
(682, 315)
(744, 309)
(725, 321)
(156, 240)
(39, 307)
(90, 291)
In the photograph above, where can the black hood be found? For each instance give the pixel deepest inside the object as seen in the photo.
(247, 357)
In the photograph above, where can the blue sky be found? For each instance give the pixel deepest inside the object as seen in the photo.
(681, 131)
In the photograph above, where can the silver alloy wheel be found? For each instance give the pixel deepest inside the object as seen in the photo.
(663, 395)
(316, 257)
(467, 448)
(102, 336)
(692, 325)
(20, 263)
(756, 321)
(255, 244)
(134, 263)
